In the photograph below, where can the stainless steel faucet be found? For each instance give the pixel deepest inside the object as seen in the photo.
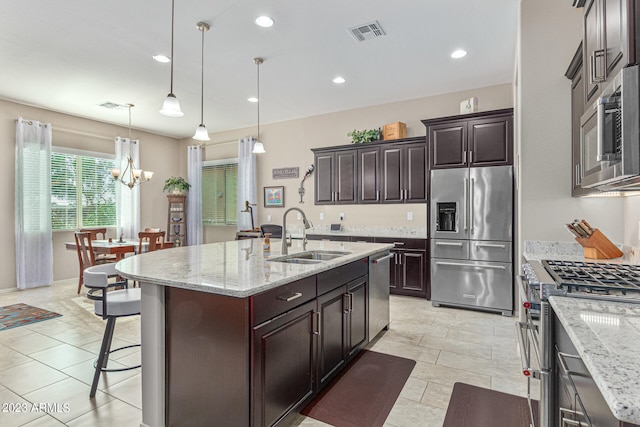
(286, 242)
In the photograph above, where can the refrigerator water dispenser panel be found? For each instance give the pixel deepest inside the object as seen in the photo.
(447, 216)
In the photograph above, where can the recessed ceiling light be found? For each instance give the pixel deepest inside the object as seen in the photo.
(460, 53)
(339, 80)
(264, 21)
(162, 58)
(252, 99)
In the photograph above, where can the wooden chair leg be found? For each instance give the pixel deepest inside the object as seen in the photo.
(104, 354)
(80, 280)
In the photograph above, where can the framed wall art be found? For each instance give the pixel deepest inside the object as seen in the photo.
(274, 197)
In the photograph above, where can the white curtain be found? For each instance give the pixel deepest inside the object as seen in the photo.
(194, 199)
(127, 199)
(246, 181)
(34, 245)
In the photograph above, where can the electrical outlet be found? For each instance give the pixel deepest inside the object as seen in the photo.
(410, 216)
(268, 218)
(299, 216)
(321, 216)
(341, 214)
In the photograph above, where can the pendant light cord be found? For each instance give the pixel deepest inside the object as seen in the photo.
(202, 81)
(172, 17)
(258, 61)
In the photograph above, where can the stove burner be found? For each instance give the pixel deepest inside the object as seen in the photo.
(595, 277)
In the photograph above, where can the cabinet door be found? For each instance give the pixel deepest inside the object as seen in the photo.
(357, 318)
(283, 364)
(491, 141)
(333, 310)
(369, 175)
(415, 173)
(346, 176)
(593, 52)
(413, 278)
(616, 28)
(448, 145)
(392, 174)
(324, 170)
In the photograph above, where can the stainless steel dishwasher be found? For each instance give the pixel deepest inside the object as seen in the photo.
(379, 269)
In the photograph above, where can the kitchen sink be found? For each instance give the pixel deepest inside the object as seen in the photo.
(310, 257)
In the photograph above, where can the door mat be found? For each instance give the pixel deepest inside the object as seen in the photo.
(12, 316)
(363, 394)
(480, 407)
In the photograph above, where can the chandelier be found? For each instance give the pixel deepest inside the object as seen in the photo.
(131, 176)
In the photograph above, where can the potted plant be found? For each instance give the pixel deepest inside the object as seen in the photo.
(362, 136)
(176, 185)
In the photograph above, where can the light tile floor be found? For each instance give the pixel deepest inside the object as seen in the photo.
(46, 368)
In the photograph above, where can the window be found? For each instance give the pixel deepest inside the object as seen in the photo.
(220, 192)
(83, 193)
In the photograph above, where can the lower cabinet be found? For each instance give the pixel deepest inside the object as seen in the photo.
(343, 327)
(283, 378)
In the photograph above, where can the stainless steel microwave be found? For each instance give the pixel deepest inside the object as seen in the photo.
(610, 135)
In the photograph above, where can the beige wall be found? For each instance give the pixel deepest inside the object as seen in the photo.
(550, 34)
(157, 153)
(288, 144)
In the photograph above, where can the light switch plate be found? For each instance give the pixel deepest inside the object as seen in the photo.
(268, 218)
(321, 216)
(299, 216)
(410, 216)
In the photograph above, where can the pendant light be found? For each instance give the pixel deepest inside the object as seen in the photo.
(201, 131)
(171, 106)
(131, 176)
(258, 148)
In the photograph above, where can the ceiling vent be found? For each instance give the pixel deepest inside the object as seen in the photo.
(371, 30)
(110, 105)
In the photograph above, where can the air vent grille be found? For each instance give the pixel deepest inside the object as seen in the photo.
(110, 105)
(371, 30)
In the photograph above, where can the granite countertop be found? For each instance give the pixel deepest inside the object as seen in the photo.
(606, 335)
(238, 268)
(390, 232)
(570, 251)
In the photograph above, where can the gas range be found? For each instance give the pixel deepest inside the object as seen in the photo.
(599, 280)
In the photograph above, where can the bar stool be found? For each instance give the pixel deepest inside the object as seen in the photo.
(109, 304)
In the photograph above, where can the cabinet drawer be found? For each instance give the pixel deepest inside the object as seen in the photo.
(331, 279)
(451, 249)
(276, 301)
(490, 251)
(404, 243)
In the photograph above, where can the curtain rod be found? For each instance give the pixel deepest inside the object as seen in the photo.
(73, 131)
(208, 144)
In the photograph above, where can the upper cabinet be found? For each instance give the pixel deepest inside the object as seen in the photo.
(335, 181)
(376, 172)
(608, 42)
(477, 139)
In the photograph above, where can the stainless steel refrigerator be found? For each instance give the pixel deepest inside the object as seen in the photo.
(472, 237)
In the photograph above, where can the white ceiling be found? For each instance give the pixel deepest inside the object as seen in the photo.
(72, 55)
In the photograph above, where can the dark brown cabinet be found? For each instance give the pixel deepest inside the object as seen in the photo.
(476, 139)
(408, 267)
(343, 327)
(575, 73)
(404, 178)
(283, 378)
(336, 174)
(608, 42)
(379, 172)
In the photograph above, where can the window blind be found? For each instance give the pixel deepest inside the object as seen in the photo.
(219, 194)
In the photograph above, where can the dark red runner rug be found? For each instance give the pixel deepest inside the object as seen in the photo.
(364, 393)
(472, 406)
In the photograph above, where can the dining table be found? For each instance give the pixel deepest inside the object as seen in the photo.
(115, 247)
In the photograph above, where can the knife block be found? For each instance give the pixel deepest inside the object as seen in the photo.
(597, 246)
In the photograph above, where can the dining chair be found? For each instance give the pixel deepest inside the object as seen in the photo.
(109, 304)
(274, 229)
(154, 240)
(99, 234)
(86, 256)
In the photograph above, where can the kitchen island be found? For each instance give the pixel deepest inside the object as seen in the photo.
(233, 334)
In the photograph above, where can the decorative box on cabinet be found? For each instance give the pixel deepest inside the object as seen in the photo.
(177, 219)
(477, 139)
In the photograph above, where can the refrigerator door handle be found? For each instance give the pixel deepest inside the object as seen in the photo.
(472, 204)
(464, 264)
(464, 198)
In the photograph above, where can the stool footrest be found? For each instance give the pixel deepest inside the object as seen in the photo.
(127, 368)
